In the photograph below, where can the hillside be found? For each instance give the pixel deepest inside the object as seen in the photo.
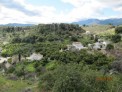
(60, 58)
(100, 29)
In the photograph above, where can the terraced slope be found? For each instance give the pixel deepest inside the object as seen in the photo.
(98, 29)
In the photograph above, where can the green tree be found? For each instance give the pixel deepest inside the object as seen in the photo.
(116, 38)
(73, 38)
(109, 47)
(118, 30)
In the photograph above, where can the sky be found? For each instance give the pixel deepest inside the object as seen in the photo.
(57, 11)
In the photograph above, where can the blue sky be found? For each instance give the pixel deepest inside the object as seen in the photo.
(57, 11)
(109, 12)
(58, 4)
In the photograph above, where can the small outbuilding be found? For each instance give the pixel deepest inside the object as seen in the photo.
(76, 46)
(35, 56)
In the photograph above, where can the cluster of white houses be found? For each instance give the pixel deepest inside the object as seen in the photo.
(15, 59)
(100, 45)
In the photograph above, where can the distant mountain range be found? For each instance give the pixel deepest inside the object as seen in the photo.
(114, 21)
(16, 24)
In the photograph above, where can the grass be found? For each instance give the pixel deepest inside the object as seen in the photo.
(108, 32)
(30, 67)
(52, 65)
(7, 85)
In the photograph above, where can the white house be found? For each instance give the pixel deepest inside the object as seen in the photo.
(2, 59)
(5, 62)
(100, 45)
(4, 43)
(75, 46)
(35, 56)
(78, 45)
(88, 32)
(71, 47)
(97, 46)
(104, 44)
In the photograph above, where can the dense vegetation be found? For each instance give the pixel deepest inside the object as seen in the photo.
(61, 70)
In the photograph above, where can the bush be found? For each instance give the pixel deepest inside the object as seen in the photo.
(77, 78)
(10, 60)
(20, 71)
(116, 38)
(46, 82)
(118, 30)
(52, 65)
(117, 65)
(11, 70)
(30, 68)
(16, 40)
(68, 80)
(4, 54)
(74, 39)
(109, 47)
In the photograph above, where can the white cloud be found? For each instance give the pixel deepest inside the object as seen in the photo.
(13, 15)
(93, 8)
(23, 12)
(84, 9)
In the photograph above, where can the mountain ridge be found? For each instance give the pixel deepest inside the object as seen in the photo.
(113, 21)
